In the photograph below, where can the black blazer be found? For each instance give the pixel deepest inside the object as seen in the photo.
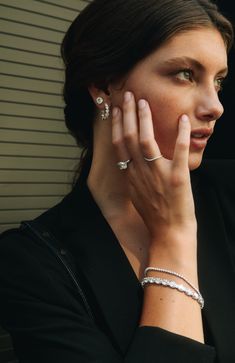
(53, 318)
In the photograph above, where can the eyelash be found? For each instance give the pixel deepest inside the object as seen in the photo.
(222, 81)
(191, 76)
(185, 70)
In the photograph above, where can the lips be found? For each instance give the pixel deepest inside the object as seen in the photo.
(199, 137)
(201, 133)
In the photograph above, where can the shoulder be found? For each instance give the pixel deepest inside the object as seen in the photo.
(15, 244)
(20, 249)
(19, 244)
(28, 265)
(20, 254)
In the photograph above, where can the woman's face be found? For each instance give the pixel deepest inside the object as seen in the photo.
(183, 76)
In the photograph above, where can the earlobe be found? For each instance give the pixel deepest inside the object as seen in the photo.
(106, 110)
(99, 96)
(101, 101)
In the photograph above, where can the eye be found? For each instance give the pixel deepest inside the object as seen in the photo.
(219, 82)
(185, 75)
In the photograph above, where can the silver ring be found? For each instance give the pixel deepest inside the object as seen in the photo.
(122, 165)
(155, 158)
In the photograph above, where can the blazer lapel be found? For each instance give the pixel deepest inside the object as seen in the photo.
(216, 272)
(104, 264)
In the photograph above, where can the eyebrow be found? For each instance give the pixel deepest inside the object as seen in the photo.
(187, 60)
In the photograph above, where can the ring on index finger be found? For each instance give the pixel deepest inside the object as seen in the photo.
(154, 158)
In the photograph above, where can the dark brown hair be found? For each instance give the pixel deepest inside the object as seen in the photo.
(109, 37)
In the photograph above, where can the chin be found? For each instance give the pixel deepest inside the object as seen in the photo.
(194, 161)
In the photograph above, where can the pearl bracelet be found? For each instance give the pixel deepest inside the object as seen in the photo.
(172, 284)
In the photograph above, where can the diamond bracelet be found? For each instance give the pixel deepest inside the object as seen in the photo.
(157, 269)
(172, 284)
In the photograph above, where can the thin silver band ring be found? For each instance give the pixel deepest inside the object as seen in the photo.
(155, 158)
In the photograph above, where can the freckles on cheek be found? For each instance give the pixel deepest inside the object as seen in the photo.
(165, 134)
(167, 107)
(165, 124)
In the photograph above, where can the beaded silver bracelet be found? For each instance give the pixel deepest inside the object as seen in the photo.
(171, 273)
(172, 284)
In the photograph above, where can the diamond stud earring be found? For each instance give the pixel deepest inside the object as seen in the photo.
(99, 100)
(106, 111)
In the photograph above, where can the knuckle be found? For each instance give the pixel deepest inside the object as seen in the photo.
(127, 106)
(177, 178)
(117, 142)
(182, 145)
(146, 144)
(129, 136)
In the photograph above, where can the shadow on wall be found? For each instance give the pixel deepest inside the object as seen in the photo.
(222, 143)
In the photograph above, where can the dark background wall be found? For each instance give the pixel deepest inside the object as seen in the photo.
(222, 144)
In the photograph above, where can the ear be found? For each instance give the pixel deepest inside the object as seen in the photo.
(95, 93)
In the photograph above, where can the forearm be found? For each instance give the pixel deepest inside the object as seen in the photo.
(169, 308)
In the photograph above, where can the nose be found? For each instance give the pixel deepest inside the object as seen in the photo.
(209, 107)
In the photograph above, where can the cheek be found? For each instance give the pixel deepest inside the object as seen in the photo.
(117, 98)
(166, 112)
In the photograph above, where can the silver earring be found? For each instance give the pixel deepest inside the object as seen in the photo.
(99, 100)
(105, 113)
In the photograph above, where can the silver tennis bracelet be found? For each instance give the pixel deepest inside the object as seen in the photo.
(194, 292)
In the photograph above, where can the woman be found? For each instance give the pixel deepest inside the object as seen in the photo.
(120, 270)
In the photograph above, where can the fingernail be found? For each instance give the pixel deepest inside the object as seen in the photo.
(127, 96)
(184, 118)
(142, 104)
(115, 111)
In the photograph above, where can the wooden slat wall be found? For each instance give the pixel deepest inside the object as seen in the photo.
(37, 156)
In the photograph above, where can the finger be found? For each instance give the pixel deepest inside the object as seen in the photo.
(117, 136)
(149, 146)
(181, 152)
(130, 127)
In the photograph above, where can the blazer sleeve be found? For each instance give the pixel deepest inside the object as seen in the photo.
(46, 318)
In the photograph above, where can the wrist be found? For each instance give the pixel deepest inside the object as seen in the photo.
(178, 240)
(177, 255)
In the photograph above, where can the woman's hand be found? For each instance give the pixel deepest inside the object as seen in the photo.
(160, 190)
